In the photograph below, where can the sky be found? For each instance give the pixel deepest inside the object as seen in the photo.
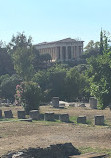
(51, 20)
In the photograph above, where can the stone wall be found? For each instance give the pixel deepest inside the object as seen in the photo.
(53, 151)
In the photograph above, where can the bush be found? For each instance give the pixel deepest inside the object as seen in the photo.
(8, 86)
(28, 94)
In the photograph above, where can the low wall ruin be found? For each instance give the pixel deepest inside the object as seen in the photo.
(53, 151)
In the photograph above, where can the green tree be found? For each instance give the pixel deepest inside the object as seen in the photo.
(45, 57)
(41, 61)
(19, 41)
(8, 86)
(75, 84)
(57, 83)
(6, 64)
(101, 43)
(42, 78)
(99, 74)
(104, 39)
(92, 46)
(52, 82)
(23, 59)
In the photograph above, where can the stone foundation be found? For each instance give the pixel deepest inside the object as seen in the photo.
(99, 120)
(26, 120)
(8, 114)
(49, 116)
(81, 119)
(34, 114)
(21, 114)
(41, 116)
(56, 116)
(64, 117)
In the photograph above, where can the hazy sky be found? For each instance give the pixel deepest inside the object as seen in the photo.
(50, 20)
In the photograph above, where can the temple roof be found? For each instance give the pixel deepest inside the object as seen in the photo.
(60, 41)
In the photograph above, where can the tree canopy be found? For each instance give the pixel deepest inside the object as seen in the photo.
(99, 75)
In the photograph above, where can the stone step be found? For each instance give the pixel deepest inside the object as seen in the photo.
(90, 155)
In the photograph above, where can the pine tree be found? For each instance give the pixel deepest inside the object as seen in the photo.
(105, 44)
(101, 42)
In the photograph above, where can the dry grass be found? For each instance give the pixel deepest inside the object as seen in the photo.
(15, 135)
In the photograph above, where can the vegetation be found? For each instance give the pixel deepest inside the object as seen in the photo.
(28, 94)
(84, 77)
(84, 150)
(99, 75)
(8, 86)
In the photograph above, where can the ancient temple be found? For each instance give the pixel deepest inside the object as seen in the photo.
(62, 50)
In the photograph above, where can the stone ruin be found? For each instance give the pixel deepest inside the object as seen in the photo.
(21, 114)
(49, 116)
(8, 114)
(93, 102)
(55, 102)
(82, 105)
(81, 119)
(27, 120)
(34, 114)
(99, 120)
(64, 117)
(53, 151)
(72, 104)
(0, 113)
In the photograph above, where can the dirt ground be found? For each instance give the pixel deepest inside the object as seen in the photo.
(16, 135)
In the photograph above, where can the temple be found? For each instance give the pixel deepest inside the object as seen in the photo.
(62, 50)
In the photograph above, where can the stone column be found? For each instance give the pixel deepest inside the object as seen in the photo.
(51, 51)
(72, 54)
(66, 53)
(81, 50)
(56, 54)
(75, 51)
(52, 54)
(61, 59)
(55, 102)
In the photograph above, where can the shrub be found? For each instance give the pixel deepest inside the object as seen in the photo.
(28, 94)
